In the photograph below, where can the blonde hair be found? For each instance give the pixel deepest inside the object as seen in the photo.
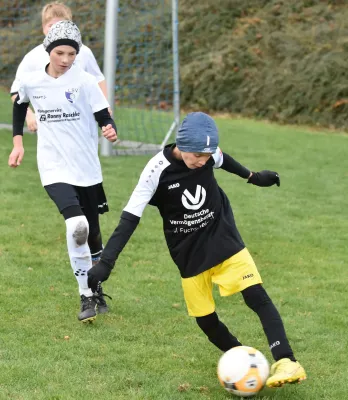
(55, 9)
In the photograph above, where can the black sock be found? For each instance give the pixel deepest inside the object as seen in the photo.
(217, 332)
(258, 300)
(95, 244)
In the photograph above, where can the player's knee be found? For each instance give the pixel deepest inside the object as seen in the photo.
(77, 229)
(208, 323)
(255, 297)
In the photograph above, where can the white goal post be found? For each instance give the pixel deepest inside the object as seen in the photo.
(141, 68)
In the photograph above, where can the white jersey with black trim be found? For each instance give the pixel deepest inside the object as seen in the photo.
(198, 222)
(67, 146)
(38, 58)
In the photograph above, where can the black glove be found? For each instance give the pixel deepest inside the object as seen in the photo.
(97, 274)
(264, 178)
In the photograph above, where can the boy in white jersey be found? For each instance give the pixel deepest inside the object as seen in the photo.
(67, 102)
(38, 57)
(202, 237)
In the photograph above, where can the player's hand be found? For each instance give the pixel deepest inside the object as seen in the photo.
(264, 178)
(100, 272)
(31, 121)
(16, 156)
(109, 133)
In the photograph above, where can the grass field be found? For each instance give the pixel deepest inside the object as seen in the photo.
(147, 347)
(5, 107)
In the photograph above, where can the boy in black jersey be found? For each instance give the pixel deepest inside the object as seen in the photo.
(202, 237)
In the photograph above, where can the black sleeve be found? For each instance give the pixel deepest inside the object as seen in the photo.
(119, 238)
(229, 164)
(18, 117)
(103, 118)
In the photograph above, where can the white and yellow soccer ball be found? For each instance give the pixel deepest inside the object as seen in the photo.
(243, 371)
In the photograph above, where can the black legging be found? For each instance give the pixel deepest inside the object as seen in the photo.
(217, 332)
(258, 300)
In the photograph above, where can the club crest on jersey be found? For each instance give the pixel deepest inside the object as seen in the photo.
(72, 95)
(194, 202)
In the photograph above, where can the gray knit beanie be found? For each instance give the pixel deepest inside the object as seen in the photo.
(197, 134)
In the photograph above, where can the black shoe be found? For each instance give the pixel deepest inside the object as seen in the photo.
(102, 307)
(88, 309)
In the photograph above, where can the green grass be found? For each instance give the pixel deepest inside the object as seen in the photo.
(5, 107)
(147, 127)
(147, 347)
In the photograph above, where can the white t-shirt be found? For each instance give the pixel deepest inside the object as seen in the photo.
(67, 146)
(38, 58)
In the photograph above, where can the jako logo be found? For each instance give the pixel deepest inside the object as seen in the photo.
(173, 186)
(248, 276)
(196, 201)
(277, 343)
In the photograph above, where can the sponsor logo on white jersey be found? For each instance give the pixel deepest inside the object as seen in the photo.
(58, 115)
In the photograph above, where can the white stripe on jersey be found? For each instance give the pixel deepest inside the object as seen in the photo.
(147, 184)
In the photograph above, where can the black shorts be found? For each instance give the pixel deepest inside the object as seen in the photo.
(91, 199)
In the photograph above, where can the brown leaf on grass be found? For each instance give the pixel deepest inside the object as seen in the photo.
(176, 305)
(203, 389)
(66, 337)
(184, 387)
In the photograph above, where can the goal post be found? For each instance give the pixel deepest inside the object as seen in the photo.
(110, 54)
(141, 67)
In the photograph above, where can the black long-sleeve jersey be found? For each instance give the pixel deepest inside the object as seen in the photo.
(198, 221)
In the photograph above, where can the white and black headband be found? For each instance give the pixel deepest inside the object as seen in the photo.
(63, 33)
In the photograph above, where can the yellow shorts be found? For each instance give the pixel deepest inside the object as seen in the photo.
(232, 276)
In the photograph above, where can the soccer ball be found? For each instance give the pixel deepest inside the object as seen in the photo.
(243, 371)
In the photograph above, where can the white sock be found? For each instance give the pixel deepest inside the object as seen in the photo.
(77, 229)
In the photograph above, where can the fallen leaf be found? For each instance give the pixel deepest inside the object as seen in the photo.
(184, 387)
